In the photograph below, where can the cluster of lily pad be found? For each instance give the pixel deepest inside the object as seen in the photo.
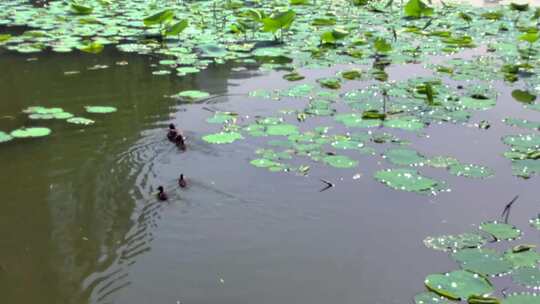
(44, 113)
(524, 153)
(480, 267)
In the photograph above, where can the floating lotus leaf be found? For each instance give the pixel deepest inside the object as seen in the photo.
(222, 137)
(355, 120)
(181, 71)
(525, 168)
(482, 261)
(40, 116)
(62, 115)
(441, 161)
(263, 163)
(406, 123)
(161, 72)
(340, 161)
(522, 298)
(100, 109)
(270, 121)
(455, 242)
(294, 76)
(191, 95)
(5, 137)
(459, 284)
(527, 276)
(528, 141)
(477, 104)
(42, 110)
(213, 51)
(470, 170)
(300, 90)
(80, 121)
(430, 298)
(406, 180)
(535, 222)
(347, 144)
(500, 231)
(221, 117)
(403, 157)
(522, 123)
(31, 132)
(281, 130)
(528, 258)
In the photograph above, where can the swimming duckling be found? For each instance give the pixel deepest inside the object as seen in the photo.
(171, 135)
(161, 195)
(182, 181)
(180, 142)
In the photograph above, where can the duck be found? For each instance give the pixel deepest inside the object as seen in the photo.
(171, 135)
(180, 142)
(182, 181)
(161, 195)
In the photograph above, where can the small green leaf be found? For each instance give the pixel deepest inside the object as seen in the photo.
(159, 18)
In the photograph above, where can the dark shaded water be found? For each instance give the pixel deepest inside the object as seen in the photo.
(79, 223)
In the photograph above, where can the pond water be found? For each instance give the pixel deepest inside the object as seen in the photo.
(80, 222)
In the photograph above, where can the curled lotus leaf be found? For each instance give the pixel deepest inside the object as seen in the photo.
(482, 261)
(455, 242)
(340, 161)
(470, 170)
(406, 180)
(4, 137)
(100, 109)
(404, 157)
(80, 121)
(527, 276)
(191, 95)
(527, 258)
(430, 298)
(522, 298)
(31, 132)
(222, 137)
(459, 284)
(500, 231)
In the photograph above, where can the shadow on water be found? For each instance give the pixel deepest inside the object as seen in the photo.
(71, 207)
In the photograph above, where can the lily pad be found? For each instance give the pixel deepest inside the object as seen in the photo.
(406, 180)
(100, 109)
(483, 261)
(191, 95)
(470, 170)
(263, 163)
(459, 284)
(430, 298)
(529, 141)
(281, 130)
(356, 120)
(523, 96)
(340, 161)
(31, 132)
(404, 157)
(4, 137)
(455, 242)
(222, 137)
(527, 276)
(500, 231)
(528, 258)
(80, 121)
(535, 222)
(221, 117)
(522, 298)
(441, 161)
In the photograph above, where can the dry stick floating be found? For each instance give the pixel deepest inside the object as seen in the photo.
(506, 212)
(328, 185)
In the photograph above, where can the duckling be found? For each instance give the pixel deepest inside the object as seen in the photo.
(180, 142)
(182, 181)
(171, 135)
(161, 195)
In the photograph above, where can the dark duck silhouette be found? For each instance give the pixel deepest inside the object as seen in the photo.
(180, 142)
(182, 181)
(161, 195)
(171, 135)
